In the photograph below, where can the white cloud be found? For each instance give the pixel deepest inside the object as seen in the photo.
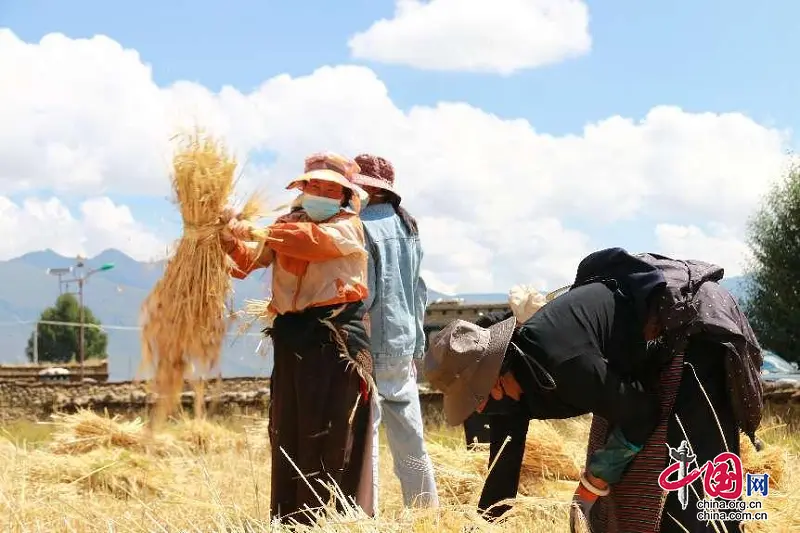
(37, 224)
(500, 36)
(495, 198)
(78, 115)
(485, 253)
(434, 283)
(720, 246)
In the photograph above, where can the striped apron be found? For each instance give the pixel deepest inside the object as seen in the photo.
(636, 502)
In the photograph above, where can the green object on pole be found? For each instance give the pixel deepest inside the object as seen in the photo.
(106, 266)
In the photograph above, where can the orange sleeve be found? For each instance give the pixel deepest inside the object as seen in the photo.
(317, 242)
(244, 258)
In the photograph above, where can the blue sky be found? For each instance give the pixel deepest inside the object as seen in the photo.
(711, 56)
(703, 56)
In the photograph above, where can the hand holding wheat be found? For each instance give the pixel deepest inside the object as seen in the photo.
(237, 229)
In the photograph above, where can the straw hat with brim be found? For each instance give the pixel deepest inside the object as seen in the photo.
(331, 176)
(463, 361)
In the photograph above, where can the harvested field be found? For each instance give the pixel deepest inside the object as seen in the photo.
(86, 473)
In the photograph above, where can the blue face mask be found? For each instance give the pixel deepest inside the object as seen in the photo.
(319, 208)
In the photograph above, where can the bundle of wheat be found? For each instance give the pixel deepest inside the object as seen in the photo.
(461, 473)
(202, 436)
(85, 431)
(184, 318)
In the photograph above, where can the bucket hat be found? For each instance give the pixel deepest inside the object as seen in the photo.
(375, 171)
(464, 362)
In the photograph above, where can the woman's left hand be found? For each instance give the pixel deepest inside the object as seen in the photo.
(240, 229)
(227, 214)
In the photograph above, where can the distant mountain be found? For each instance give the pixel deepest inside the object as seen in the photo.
(737, 286)
(115, 297)
(469, 298)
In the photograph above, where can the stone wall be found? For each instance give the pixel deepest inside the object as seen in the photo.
(37, 401)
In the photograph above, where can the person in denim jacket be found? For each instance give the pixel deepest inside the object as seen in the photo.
(396, 306)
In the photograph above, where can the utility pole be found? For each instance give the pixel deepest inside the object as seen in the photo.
(36, 343)
(81, 343)
(80, 279)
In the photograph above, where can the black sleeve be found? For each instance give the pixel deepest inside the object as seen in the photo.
(503, 480)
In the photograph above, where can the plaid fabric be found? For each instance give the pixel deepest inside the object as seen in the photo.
(636, 502)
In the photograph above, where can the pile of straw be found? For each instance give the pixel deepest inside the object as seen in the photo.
(227, 489)
(459, 473)
(118, 473)
(547, 455)
(184, 318)
(771, 460)
(85, 431)
(203, 437)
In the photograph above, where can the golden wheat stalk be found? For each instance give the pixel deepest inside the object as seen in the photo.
(184, 318)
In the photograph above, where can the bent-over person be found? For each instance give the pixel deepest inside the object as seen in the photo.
(559, 363)
(633, 341)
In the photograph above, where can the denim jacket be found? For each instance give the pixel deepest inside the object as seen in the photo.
(397, 293)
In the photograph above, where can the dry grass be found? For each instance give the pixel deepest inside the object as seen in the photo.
(93, 474)
(255, 312)
(184, 318)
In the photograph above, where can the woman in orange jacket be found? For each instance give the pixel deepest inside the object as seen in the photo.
(319, 411)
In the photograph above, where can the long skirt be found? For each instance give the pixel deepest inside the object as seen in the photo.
(700, 428)
(319, 412)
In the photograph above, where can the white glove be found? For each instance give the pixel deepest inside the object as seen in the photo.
(525, 301)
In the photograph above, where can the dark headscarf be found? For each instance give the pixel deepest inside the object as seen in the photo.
(635, 278)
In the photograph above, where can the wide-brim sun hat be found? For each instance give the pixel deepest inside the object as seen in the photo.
(464, 362)
(330, 176)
